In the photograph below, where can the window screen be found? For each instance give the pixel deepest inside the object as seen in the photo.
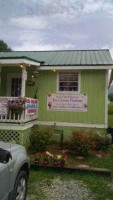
(68, 81)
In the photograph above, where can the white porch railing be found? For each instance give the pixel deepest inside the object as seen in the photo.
(10, 112)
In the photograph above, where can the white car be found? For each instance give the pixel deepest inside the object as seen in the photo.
(14, 171)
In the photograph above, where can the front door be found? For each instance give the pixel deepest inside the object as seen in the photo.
(14, 84)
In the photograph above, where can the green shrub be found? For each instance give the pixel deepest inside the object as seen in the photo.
(103, 142)
(80, 142)
(40, 138)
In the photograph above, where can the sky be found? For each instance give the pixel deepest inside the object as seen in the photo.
(57, 24)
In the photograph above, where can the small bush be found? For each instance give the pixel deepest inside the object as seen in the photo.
(103, 142)
(80, 142)
(40, 138)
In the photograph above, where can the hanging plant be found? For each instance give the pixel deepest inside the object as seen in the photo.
(16, 106)
(31, 81)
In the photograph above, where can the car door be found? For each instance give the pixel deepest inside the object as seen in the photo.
(4, 181)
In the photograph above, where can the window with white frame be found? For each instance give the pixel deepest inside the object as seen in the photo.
(16, 87)
(68, 81)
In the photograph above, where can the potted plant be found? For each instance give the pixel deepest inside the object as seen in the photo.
(46, 161)
(38, 159)
(58, 159)
(62, 162)
(55, 161)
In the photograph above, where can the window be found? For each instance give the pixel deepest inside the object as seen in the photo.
(16, 87)
(68, 81)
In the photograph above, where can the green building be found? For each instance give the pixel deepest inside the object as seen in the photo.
(66, 88)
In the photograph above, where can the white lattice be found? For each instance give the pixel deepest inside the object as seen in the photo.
(19, 137)
(9, 136)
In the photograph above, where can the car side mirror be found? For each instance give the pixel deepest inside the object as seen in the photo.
(4, 156)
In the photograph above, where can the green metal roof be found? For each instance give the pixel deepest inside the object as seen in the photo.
(64, 57)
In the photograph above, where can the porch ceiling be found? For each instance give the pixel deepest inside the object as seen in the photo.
(6, 61)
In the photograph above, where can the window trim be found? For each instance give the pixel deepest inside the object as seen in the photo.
(79, 82)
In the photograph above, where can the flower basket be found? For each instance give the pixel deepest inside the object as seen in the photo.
(16, 110)
(16, 106)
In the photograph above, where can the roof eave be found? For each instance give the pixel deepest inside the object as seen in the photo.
(77, 67)
(18, 61)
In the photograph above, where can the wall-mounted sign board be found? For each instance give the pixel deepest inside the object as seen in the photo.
(67, 102)
(31, 106)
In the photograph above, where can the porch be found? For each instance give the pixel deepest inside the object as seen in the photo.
(17, 104)
(18, 110)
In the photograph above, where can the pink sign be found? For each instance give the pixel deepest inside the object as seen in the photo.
(31, 106)
(67, 102)
(3, 106)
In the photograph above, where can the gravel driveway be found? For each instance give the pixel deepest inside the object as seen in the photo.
(64, 190)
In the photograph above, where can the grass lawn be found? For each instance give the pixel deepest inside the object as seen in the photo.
(99, 187)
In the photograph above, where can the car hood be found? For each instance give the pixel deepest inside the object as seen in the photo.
(10, 146)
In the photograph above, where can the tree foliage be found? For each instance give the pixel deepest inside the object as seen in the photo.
(4, 47)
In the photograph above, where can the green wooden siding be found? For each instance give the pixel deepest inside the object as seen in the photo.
(92, 84)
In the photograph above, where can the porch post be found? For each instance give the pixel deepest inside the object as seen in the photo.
(24, 75)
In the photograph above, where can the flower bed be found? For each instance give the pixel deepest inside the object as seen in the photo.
(71, 163)
(47, 158)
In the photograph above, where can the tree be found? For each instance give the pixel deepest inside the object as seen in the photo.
(4, 47)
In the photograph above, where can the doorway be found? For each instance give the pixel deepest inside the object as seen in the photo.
(14, 84)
